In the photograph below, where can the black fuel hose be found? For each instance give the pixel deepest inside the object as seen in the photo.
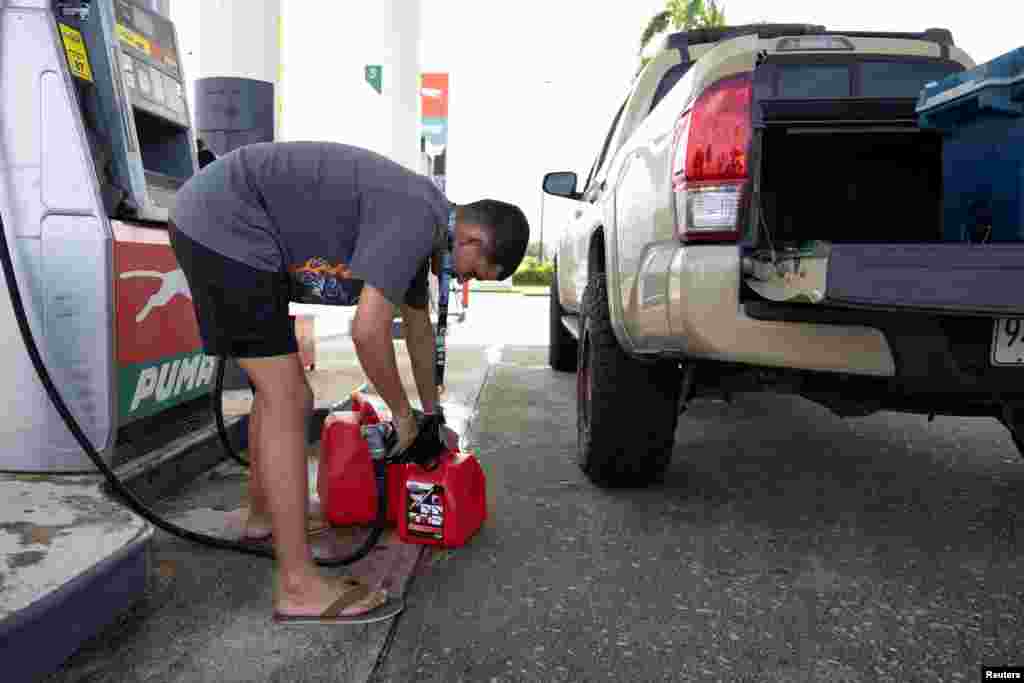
(129, 499)
(217, 405)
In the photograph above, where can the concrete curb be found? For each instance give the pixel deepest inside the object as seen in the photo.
(36, 639)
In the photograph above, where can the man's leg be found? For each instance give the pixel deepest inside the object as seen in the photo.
(284, 402)
(258, 524)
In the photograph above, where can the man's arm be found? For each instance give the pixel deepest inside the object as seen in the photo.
(371, 334)
(419, 340)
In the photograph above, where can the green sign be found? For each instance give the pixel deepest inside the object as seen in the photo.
(149, 388)
(375, 76)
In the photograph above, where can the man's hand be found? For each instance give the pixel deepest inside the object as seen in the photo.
(426, 445)
(406, 429)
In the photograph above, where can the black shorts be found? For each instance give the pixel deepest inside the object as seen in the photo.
(242, 311)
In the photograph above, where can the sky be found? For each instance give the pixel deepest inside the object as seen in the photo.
(534, 83)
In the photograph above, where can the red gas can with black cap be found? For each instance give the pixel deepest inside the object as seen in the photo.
(444, 506)
(443, 503)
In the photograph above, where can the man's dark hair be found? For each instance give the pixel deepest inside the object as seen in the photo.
(509, 230)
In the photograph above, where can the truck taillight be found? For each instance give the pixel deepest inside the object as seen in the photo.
(709, 163)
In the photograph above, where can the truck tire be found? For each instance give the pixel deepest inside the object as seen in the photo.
(563, 348)
(627, 410)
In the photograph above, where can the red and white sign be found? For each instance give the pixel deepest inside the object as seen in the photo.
(155, 318)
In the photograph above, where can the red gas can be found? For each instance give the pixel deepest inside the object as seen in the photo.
(444, 506)
(346, 480)
(347, 475)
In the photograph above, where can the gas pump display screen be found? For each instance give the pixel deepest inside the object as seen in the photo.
(148, 33)
(150, 63)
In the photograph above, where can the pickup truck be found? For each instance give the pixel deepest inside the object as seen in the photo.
(765, 213)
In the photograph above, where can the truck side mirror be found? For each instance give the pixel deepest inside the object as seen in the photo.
(561, 184)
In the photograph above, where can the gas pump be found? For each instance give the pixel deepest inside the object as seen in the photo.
(100, 338)
(95, 142)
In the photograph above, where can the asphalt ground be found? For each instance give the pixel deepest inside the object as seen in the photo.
(785, 545)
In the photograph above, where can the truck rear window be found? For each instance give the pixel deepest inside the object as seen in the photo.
(900, 79)
(800, 81)
(867, 78)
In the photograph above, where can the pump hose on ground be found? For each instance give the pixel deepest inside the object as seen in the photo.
(217, 405)
(128, 498)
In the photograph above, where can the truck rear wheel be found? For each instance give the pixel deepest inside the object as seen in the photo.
(627, 410)
(562, 346)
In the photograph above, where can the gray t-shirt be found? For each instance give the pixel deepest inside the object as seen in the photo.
(338, 215)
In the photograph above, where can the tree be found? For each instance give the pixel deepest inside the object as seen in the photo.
(658, 23)
(684, 15)
(714, 15)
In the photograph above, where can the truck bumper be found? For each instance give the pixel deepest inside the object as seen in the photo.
(686, 300)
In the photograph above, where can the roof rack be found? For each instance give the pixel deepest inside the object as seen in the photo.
(683, 39)
(943, 36)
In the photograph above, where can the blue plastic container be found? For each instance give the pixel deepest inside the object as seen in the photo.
(980, 113)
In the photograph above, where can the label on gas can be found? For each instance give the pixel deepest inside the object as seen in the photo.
(425, 509)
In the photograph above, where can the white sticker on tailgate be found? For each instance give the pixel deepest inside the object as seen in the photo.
(1008, 342)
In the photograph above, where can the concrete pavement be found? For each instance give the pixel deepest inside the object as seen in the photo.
(206, 615)
(786, 545)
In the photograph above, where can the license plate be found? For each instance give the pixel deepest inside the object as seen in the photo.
(1008, 342)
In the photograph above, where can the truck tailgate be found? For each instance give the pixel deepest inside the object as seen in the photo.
(967, 278)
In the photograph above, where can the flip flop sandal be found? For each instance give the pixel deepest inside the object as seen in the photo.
(313, 527)
(355, 591)
(254, 539)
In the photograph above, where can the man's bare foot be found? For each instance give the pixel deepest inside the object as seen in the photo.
(317, 595)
